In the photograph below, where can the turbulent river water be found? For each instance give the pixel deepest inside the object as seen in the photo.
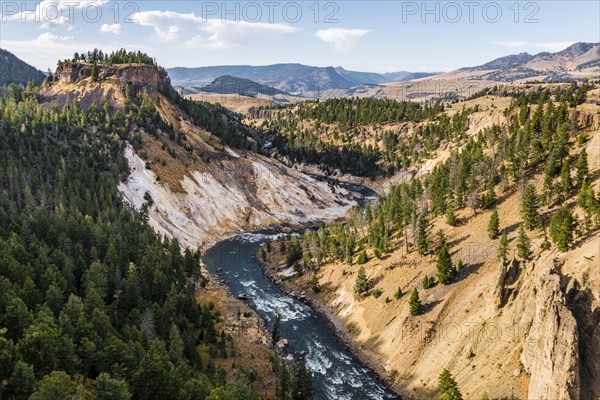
(337, 374)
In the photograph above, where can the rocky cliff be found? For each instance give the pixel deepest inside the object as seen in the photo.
(197, 189)
(551, 347)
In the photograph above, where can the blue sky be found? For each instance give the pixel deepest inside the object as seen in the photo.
(377, 36)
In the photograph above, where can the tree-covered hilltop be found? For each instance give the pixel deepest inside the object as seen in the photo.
(338, 133)
(13, 70)
(93, 302)
(542, 136)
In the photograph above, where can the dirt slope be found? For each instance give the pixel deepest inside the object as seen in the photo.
(531, 329)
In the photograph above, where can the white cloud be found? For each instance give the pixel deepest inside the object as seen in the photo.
(545, 46)
(48, 37)
(117, 29)
(343, 40)
(170, 26)
(166, 24)
(235, 34)
(511, 44)
(51, 12)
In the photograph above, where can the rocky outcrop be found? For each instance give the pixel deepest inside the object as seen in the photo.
(551, 347)
(508, 274)
(73, 81)
(142, 75)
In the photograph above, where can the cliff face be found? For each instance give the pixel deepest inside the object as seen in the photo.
(200, 189)
(232, 195)
(74, 81)
(551, 347)
(142, 75)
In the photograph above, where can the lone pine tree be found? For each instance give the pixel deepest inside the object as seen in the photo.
(503, 246)
(530, 207)
(446, 271)
(523, 244)
(414, 303)
(494, 225)
(561, 228)
(362, 283)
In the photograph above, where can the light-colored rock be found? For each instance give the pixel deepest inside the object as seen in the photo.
(551, 347)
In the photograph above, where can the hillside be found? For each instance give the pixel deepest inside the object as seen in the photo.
(517, 322)
(228, 84)
(577, 62)
(13, 70)
(195, 165)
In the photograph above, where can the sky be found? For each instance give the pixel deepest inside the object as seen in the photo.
(376, 36)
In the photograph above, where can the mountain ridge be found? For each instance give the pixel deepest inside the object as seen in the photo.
(578, 61)
(15, 70)
(292, 78)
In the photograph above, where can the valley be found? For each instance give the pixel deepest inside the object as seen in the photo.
(293, 232)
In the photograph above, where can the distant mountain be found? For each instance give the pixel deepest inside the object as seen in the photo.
(504, 62)
(228, 84)
(576, 62)
(290, 78)
(361, 78)
(407, 76)
(14, 70)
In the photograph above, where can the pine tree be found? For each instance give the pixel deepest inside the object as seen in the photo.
(494, 225)
(529, 209)
(426, 282)
(488, 199)
(314, 282)
(275, 330)
(22, 382)
(451, 218)
(587, 200)
(565, 179)
(362, 283)
(459, 265)
(545, 243)
(448, 386)
(301, 383)
(582, 167)
(108, 388)
(95, 72)
(523, 244)
(398, 293)
(446, 271)
(561, 228)
(422, 241)
(176, 345)
(414, 303)
(503, 247)
(362, 258)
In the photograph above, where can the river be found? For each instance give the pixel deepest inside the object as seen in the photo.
(337, 374)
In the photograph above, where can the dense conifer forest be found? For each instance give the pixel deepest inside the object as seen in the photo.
(93, 302)
(333, 139)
